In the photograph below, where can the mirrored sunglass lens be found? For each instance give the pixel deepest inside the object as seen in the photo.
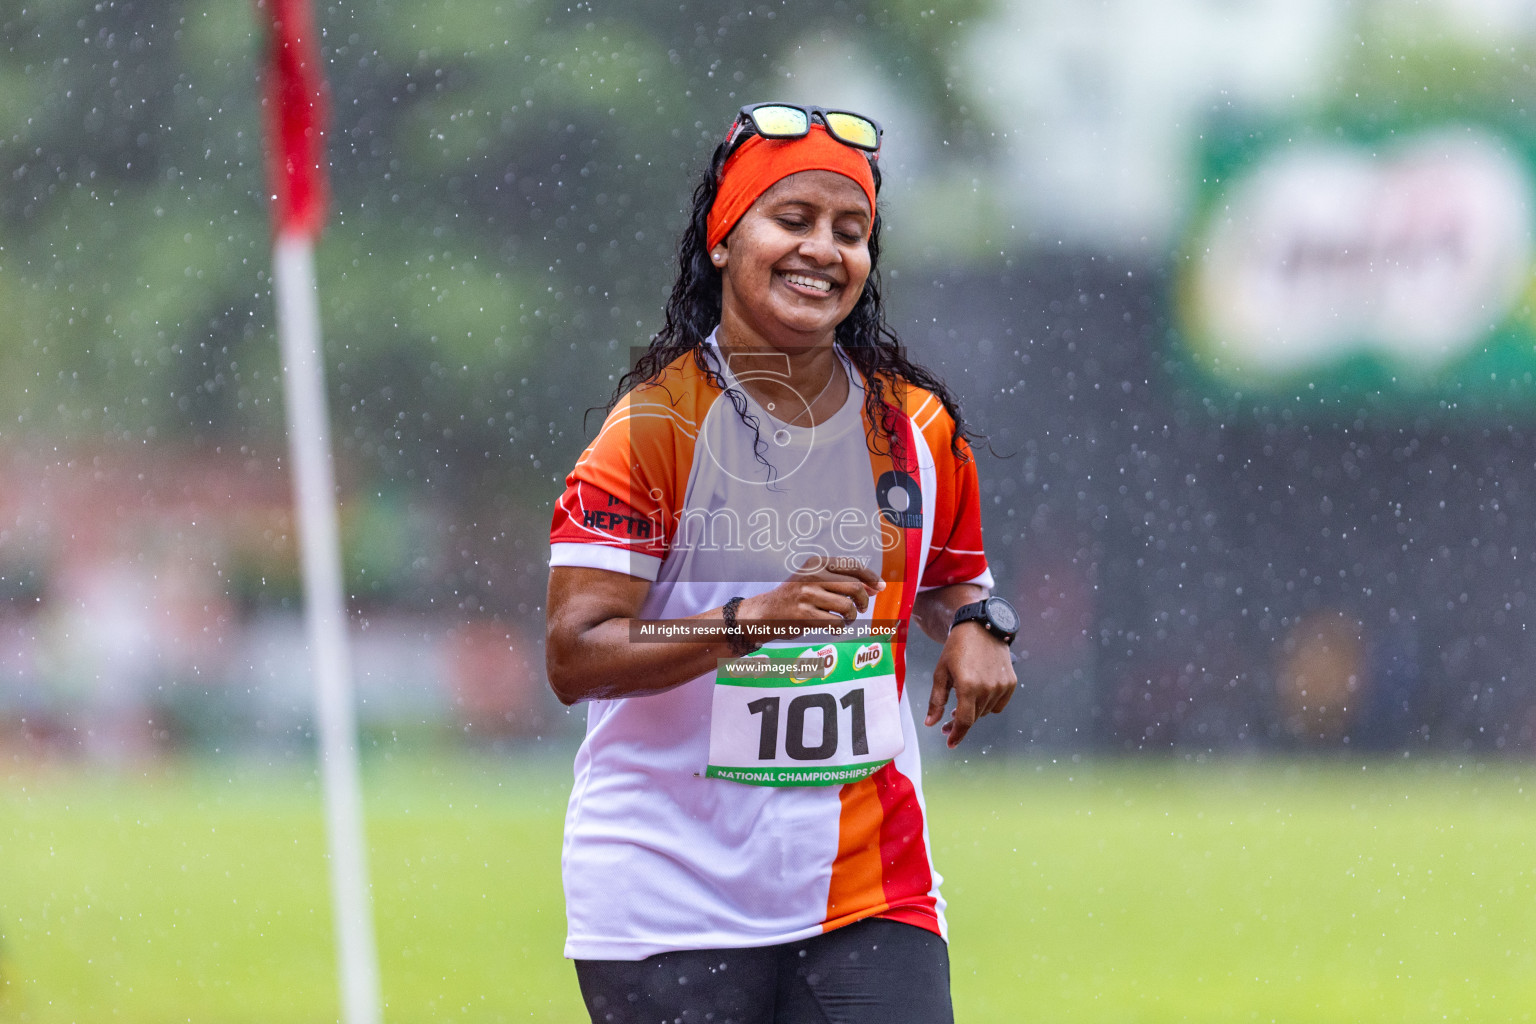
(780, 121)
(854, 129)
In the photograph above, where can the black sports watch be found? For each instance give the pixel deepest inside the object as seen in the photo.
(995, 615)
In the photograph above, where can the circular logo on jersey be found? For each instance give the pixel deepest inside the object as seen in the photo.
(900, 500)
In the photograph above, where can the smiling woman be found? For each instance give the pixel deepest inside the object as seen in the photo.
(750, 845)
(791, 271)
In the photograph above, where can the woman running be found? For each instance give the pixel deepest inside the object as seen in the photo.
(775, 494)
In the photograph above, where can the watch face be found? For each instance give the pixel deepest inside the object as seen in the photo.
(1002, 615)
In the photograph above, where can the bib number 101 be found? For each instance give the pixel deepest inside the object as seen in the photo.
(826, 707)
(809, 733)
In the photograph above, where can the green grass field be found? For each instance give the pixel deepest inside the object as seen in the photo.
(1096, 891)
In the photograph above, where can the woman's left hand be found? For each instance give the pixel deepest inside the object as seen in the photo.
(977, 667)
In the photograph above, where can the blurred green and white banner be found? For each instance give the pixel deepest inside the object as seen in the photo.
(1372, 261)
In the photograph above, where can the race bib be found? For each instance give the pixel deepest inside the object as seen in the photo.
(818, 715)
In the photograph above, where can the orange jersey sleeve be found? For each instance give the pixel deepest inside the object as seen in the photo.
(956, 554)
(620, 504)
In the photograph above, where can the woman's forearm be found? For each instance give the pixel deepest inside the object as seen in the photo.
(617, 658)
(597, 647)
(935, 609)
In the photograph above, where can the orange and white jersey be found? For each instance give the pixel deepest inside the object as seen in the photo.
(678, 490)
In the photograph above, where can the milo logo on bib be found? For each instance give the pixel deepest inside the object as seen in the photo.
(774, 723)
(827, 656)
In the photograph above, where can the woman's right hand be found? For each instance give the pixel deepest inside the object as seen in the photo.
(834, 595)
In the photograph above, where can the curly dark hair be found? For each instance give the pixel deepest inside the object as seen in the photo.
(693, 311)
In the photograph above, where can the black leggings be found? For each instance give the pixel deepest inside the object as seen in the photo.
(870, 972)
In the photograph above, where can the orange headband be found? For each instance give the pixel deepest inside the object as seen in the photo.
(761, 163)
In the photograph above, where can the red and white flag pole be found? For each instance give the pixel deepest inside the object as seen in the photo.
(295, 120)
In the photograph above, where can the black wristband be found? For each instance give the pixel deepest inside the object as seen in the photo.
(740, 644)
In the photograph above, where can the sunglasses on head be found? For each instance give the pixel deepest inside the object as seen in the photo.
(792, 121)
